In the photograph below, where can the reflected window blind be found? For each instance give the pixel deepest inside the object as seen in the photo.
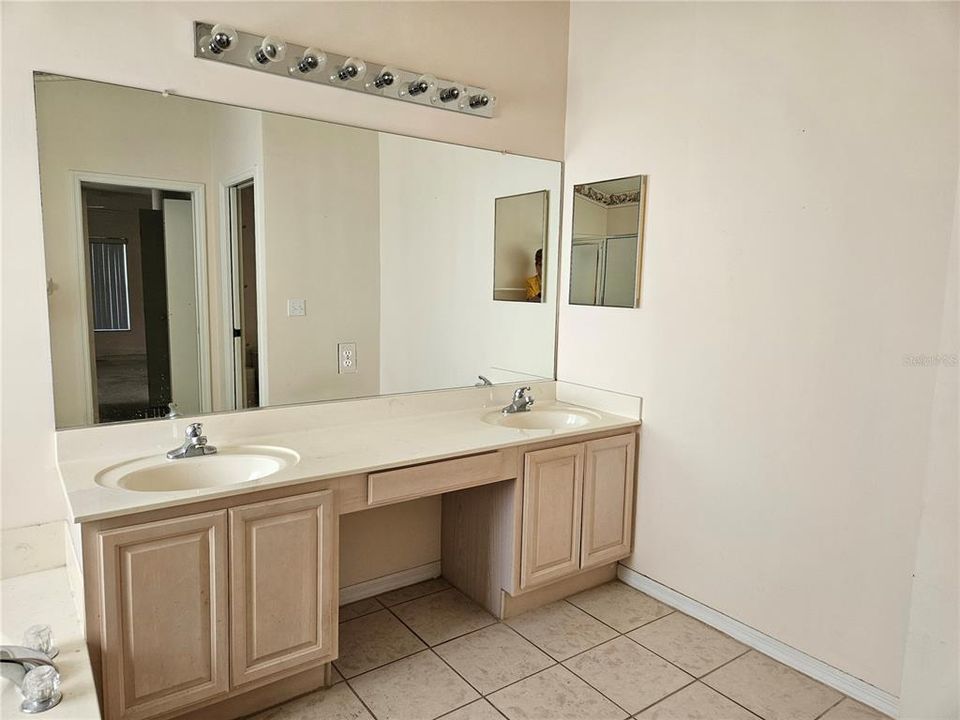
(108, 275)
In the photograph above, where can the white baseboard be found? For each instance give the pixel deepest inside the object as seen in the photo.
(856, 688)
(394, 581)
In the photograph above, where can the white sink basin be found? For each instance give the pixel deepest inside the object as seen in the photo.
(546, 418)
(229, 466)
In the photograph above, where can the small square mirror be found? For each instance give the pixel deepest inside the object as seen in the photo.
(607, 248)
(520, 241)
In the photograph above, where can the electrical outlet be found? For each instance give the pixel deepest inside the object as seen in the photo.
(296, 307)
(347, 357)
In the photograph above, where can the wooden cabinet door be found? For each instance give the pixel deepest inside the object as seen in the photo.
(163, 615)
(607, 500)
(552, 494)
(283, 586)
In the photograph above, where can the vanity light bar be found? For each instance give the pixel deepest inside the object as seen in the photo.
(222, 43)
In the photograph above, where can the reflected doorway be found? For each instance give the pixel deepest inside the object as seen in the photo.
(144, 334)
(243, 264)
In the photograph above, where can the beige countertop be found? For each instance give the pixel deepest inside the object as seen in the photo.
(45, 598)
(332, 440)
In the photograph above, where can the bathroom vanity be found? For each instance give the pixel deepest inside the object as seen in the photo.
(192, 278)
(221, 600)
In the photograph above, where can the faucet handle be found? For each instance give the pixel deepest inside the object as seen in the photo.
(520, 392)
(194, 430)
(40, 638)
(40, 689)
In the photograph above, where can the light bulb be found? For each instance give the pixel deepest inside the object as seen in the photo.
(271, 50)
(312, 59)
(481, 100)
(352, 69)
(222, 37)
(421, 85)
(450, 94)
(384, 79)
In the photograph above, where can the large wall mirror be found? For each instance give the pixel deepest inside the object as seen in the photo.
(607, 249)
(222, 258)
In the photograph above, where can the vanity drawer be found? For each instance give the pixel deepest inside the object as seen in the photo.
(434, 478)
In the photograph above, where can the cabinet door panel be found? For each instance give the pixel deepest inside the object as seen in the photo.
(552, 495)
(164, 615)
(608, 500)
(283, 586)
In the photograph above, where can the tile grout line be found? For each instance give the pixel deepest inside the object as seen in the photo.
(723, 694)
(694, 680)
(668, 695)
(673, 610)
(624, 634)
(844, 697)
(357, 696)
(455, 637)
(416, 597)
(598, 691)
(512, 682)
(486, 696)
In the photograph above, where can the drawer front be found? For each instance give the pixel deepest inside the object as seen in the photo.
(408, 483)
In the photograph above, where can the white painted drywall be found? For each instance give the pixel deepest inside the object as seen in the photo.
(930, 668)
(803, 167)
(483, 43)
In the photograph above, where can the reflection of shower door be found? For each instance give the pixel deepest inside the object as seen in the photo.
(586, 279)
(619, 286)
(604, 271)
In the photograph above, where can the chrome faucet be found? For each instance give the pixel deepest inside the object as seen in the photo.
(194, 444)
(484, 381)
(34, 673)
(521, 402)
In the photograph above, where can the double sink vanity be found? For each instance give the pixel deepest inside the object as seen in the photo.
(327, 345)
(211, 582)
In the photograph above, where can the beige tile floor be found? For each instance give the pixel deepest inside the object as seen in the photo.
(426, 652)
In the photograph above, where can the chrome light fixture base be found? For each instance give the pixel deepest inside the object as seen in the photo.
(468, 100)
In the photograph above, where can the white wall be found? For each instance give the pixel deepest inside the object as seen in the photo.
(482, 43)
(439, 324)
(322, 245)
(931, 674)
(803, 167)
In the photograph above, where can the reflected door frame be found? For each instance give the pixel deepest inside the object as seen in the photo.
(82, 259)
(232, 357)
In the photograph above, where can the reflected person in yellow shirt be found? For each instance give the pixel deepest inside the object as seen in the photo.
(534, 282)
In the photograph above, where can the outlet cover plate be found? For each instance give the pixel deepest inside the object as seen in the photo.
(346, 357)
